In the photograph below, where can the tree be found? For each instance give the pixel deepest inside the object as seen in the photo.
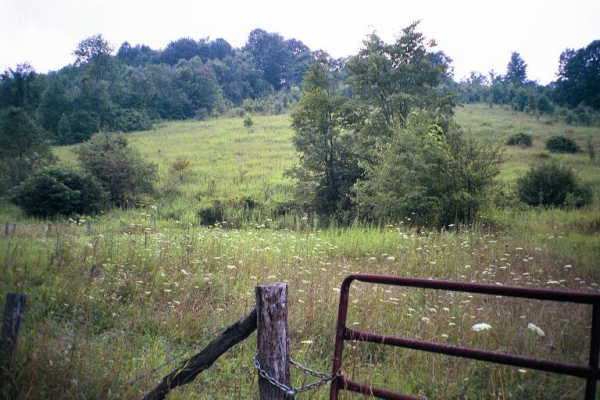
(220, 48)
(199, 83)
(184, 48)
(24, 148)
(21, 87)
(579, 77)
(328, 167)
(92, 48)
(55, 103)
(272, 56)
(137, 55)
(93, 53)
(390, 80)
(120, 169)
(516, 70)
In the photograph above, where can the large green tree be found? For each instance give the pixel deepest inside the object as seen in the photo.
(328, 166)
(579, 77)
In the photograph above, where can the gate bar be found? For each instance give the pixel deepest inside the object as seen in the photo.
(590, 372)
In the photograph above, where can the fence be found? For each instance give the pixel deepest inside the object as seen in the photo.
(591, 372)
(273, 358)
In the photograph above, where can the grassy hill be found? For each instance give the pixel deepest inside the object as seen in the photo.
(112, 300)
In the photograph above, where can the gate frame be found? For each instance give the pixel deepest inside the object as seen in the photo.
(591, 372)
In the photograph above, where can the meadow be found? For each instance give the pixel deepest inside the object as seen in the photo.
(113, 297)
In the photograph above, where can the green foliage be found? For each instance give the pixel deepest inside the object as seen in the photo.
(328, 166)
(127, 120)
(516, 70)
(248, 122)
(91, 48)
(77, 127)
(551, 184)
(21, 87)
(338, 137)
(282, 63)
(428, 175)
(59, 191)
(579, 78)
(519, 139)
(24, 149)
(544, 105)
(390, 80)
(561, 144)
(119, 168)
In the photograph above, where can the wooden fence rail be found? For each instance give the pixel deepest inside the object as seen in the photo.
(190, 368)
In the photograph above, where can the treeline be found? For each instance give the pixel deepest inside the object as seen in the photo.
(127, 90)
(574, 97)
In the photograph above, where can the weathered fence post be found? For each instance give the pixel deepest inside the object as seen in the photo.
(13, 311)
(272, 338)
(9, 229)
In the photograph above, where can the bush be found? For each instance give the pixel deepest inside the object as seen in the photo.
(248, 122)
(211, 215)
(519, 139)
(59, 191)
(120, 169)
(561, 144)
(552, 185)
(428, 176)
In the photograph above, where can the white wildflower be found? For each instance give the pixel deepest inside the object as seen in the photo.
(482, 326)
(536, 329)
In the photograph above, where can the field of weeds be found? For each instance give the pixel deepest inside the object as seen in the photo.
(113, 298)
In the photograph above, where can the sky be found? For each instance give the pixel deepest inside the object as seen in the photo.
(477, 35)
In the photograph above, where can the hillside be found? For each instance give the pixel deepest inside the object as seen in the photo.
(110, 300)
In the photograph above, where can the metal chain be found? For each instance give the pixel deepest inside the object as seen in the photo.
(290, 390)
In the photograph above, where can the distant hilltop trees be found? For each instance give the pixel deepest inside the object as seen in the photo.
(126, 90)
(574, 96)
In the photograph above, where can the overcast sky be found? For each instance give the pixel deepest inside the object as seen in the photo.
(477, 35)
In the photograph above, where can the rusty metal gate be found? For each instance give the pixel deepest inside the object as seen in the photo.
(590, 372)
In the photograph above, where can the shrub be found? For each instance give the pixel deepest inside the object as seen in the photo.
(428, 176)
(551, 184)
(561, 144)
(519, 139)
(211, 215)
(59, 191)
(181, 167)
(120, 169)
(248, 122)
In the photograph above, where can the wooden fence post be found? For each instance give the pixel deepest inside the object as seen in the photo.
(13, 311)
(272, 338)
(9, 229)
